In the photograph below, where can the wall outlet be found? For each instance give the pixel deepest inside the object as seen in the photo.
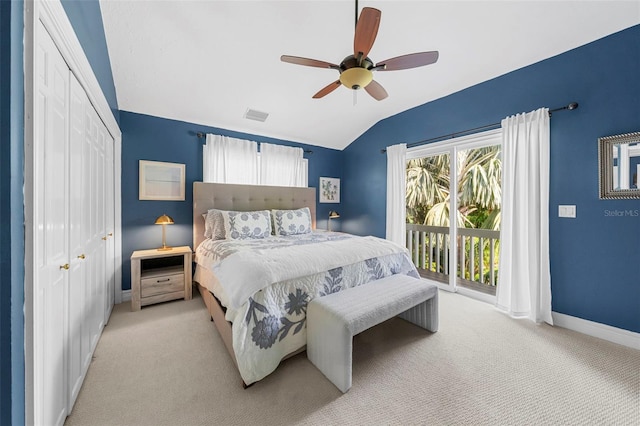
(567, 211)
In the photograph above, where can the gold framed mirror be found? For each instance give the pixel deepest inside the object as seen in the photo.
(619, 158)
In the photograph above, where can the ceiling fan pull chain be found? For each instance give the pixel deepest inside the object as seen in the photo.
(355, 97)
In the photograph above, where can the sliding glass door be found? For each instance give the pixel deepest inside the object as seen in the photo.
(428, 205)
(453, 212)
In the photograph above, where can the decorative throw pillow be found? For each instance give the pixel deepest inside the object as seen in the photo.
(247, 225)
(214, 225)
(292, 222)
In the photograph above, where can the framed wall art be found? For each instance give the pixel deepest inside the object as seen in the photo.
(329, 190)
(161, 181)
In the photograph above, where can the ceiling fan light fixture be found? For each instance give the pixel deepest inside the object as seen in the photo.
(356, 78)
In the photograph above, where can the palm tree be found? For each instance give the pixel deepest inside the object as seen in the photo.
(479, 191)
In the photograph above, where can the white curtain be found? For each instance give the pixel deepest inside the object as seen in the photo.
(229, 160)
(524, 280)
(282, 165)
(396, 190)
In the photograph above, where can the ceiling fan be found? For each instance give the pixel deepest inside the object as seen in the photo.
(356, 71)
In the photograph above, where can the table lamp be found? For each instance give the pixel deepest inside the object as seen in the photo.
(332, 215)
(164, 220)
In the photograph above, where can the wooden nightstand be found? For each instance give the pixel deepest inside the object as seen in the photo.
(159, 276)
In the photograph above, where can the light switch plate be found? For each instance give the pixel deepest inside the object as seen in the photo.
(567, 211)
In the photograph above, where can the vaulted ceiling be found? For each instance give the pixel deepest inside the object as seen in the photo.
(208, 62)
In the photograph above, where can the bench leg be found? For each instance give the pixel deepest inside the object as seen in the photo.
(329, 348)
(424, 315)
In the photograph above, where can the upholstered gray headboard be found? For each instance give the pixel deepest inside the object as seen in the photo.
(226, 196)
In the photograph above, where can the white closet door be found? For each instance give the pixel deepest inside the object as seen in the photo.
(97, 236)
(101, 223)
(110, 266)
(51, 245)
(79, 348)
(73, 224)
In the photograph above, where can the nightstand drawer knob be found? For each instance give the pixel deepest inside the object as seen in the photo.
(164, 281)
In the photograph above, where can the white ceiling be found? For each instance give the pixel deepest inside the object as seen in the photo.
(207, 62)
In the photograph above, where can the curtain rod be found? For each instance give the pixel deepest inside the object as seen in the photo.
(201, 135)
(571, 106)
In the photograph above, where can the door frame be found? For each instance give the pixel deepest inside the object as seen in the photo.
(452, 147)
(57, 24)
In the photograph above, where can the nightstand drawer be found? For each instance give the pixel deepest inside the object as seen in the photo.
(161, 284)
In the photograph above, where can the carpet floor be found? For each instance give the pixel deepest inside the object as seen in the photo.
(167, 365)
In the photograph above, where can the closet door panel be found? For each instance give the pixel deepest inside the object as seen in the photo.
(101, 211)
(79, 348)
(51, 239)
(97, 240)
(109, 225)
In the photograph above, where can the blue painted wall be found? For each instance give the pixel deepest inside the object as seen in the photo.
(11, 214)
(595, 258)
(86, 19)
(151, 138)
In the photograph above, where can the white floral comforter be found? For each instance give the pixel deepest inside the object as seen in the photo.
(269, 282)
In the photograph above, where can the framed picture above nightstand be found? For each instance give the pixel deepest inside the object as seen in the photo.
(160, 276)
(329, 190)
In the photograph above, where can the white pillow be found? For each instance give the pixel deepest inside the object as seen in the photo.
(292, 222)
(214, 225)
(247, 225)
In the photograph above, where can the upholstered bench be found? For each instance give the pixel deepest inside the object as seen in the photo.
(333, 320)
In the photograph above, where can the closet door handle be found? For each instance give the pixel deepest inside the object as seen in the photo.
(104, 238)
(110, 234)
(82, 256)
(65, 266)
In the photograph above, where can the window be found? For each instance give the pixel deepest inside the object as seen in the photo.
(230, 160)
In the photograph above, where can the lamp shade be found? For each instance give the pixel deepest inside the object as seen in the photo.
(164, 220)
(356, 78)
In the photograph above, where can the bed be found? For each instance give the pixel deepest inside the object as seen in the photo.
(257, 289)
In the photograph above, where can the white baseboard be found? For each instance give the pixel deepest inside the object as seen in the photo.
(595, 329)
(126, 295)
(590, 328)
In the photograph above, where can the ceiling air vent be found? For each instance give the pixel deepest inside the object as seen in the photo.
(252, 114)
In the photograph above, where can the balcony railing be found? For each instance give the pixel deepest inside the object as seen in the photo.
(478, 250)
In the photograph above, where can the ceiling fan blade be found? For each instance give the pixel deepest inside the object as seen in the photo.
(308, 62)
(327, 89)
(376, 90)
(366, 31)
(411, 60)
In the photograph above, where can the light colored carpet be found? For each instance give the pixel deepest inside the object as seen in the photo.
(166, 365)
